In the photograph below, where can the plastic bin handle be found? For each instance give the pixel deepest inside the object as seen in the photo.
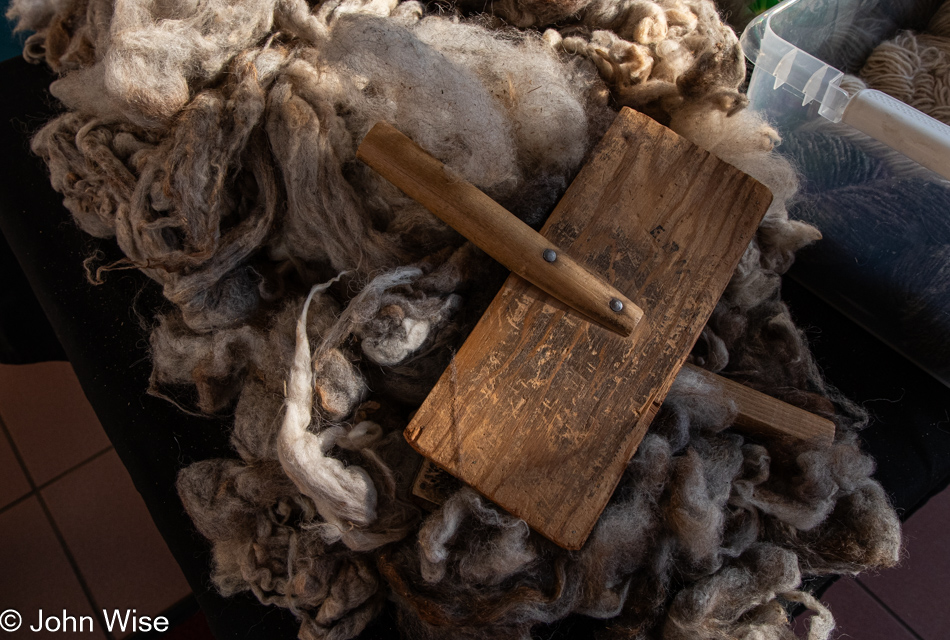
(918, 136)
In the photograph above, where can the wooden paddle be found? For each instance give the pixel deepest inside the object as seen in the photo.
(541, 409)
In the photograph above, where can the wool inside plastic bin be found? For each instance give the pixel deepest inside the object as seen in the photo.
(875, 171)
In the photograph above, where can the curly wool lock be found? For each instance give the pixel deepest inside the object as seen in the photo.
(220, 155)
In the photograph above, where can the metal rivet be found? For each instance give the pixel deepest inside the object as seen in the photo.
(616, 305)
(550, 255)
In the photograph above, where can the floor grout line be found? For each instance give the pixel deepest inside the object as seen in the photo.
(19, 461)
(17, 502)
(60, 476)
(75, 566)
(16, 454)
(56, 532)
(890, 611)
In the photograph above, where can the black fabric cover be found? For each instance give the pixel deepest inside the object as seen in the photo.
(909, 430)
(103, 331)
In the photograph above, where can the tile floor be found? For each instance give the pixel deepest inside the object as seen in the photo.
(911, 602)
(75, 535)
(74, 532)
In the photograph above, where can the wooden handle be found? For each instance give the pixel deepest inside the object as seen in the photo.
(494, 230)
(763, 415)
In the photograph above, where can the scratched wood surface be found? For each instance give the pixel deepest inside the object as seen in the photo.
(757, 415)
(541, 410)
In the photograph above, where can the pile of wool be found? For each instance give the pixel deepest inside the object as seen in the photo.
(216, 141)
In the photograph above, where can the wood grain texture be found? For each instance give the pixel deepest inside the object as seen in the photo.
(757, 414)
(765, 416)
(493, 229)
(433, 486)
(540, 411)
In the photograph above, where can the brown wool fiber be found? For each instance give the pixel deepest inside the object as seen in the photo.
(216, 143)
(915, 67)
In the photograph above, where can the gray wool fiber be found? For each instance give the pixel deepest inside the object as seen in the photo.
(215, 142)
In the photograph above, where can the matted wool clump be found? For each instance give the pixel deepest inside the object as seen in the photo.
(216, 141)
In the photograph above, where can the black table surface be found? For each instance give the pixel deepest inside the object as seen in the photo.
(49, 311)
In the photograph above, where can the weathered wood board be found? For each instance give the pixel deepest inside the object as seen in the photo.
(541, 410)
(757, 415)
(763, 416)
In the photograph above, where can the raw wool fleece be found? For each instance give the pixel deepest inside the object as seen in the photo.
(216, 143)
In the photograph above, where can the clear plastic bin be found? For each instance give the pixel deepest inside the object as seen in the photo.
(875, 172)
